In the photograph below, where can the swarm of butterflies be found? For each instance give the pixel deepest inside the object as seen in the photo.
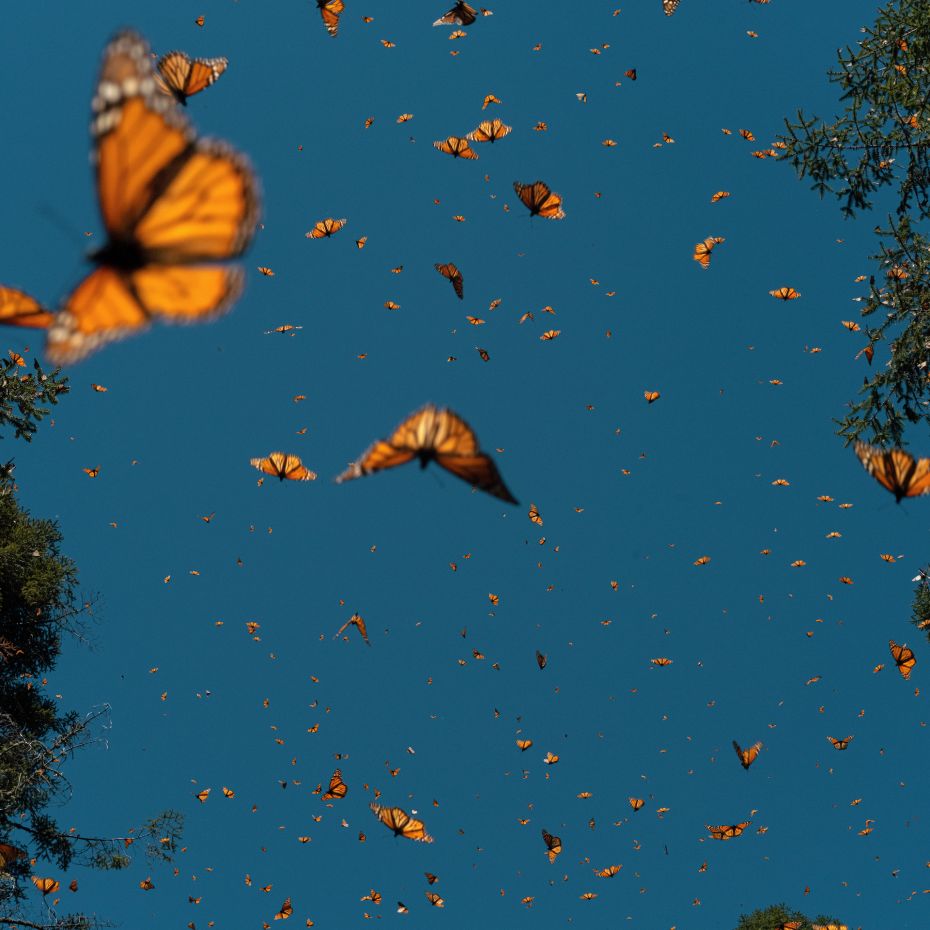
(178, 209)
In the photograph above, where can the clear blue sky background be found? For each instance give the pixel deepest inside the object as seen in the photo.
(192, 405)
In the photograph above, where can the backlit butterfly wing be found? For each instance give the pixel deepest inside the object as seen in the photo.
(337, 787)
(703, 249)
(183, 77)
(331, 10)
(326, 228)
(747, 756)
(169, 201)
(539, 200)
(489, 131)
(398, 820)
(454, 275)
(903, 658)
(896, 470)
(284, 466)
(17, 308)
(669, 6)
(457, 147)
(460, 15)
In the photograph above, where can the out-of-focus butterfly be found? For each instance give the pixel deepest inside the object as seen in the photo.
(401, 823)
(903, 658)
(669, 6)
(182, 76)
(356, 621)
(727, 831)
(331, 10)
(896, 470)
(703, 249)
(457, 147)
(282, 466)
(326, 228)
(830, 926)
(455, 277)
(9, 854)
(553, 845)
(46, 885)
(286, 910)
(540, 200)
(636, 803)
(337, 787)
(434, 899)
(170, 203)
(840, 743)
(460, 15)
(785, 293)
(747, 756)
(489, 131)
(17, 308)
(434, 434)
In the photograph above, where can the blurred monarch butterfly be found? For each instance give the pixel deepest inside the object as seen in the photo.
(553, 845)
(669, 6)
(182, 77)
(840, 743)
(9, 854)
(727, 831)
(17, 308)
(541, 660)
(550, 334)
(46, 885)
(609, 872)
(747, 135)
(360, 243)
(170, 202)
(489, 99)
(631, 74)
(651, 396)
(790, 925)
(433, 434)
(720, 195)
(401, 823)
(524, 744)
(283, 466)
(460, 15)
(285, 911)
(539, 200)
(432, 879)
(489, 131)
(92, 472)
(326, 228)
(331, 10)
(747, 756)
(337, 787)
(455, 277)
(662, 661)
(785, 293)
(434, 899)
(903, 658)
(456, 147)
(356, 621)
(636, 803)
(703, 249)
(896, 470)
(829, 926)
(534, 516)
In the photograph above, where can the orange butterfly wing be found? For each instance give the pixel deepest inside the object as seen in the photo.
(337, 787)
(455, 277)
(331, 10)
(896, 470)
(539, 200)
(181, 77)
(17, 308)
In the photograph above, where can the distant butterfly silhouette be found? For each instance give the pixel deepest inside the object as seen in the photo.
(433, 434)
(170, 202)
(896, 470)
(182, 77)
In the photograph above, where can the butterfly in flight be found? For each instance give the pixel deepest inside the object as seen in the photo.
(325, 228)
(703, 249)
(896, 470)
(433, 434)
(539, 200)
(359, 624)
(17, 308)
(182, 77)
(331, 10)
(337, 787)
(669, 6)
(457, 147)
(398, 820)
(840, 744)
(553, 845)
(903, 658)
(455, 277)
(283, 466)
(171, 203)
(727, 831)
(460, 15)
(747, 756)
(489, 131)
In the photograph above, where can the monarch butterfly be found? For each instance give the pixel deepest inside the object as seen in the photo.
(541, 660)
(356, 621)
(326, 228)
(747, 756)
(534, 515)
(331, 10)
(432, 879)
(785, 293)
(433, 434)
(46, 885)
(17, 308)
(896, 470)
(727, 831)
(553, 845)
(170, 202)
(489, 99)
(286, 910)
(524, 744)
(401, 823)
(790, 925)
(840, 743)
(455, 277)
(609, 872)
(669, 6)
(720, 195)
(662, 661)
(829, 926)
(182, 77)
(703, 249)
(434, 899)
(903, 658)
(284, 466)
(636, 803)
(489, 131)
(539, 200)
(337, 787)
(651, 396)
(9, 854)
(460, 15)
(456, 147)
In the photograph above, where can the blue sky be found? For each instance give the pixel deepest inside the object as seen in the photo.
(191, 406)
